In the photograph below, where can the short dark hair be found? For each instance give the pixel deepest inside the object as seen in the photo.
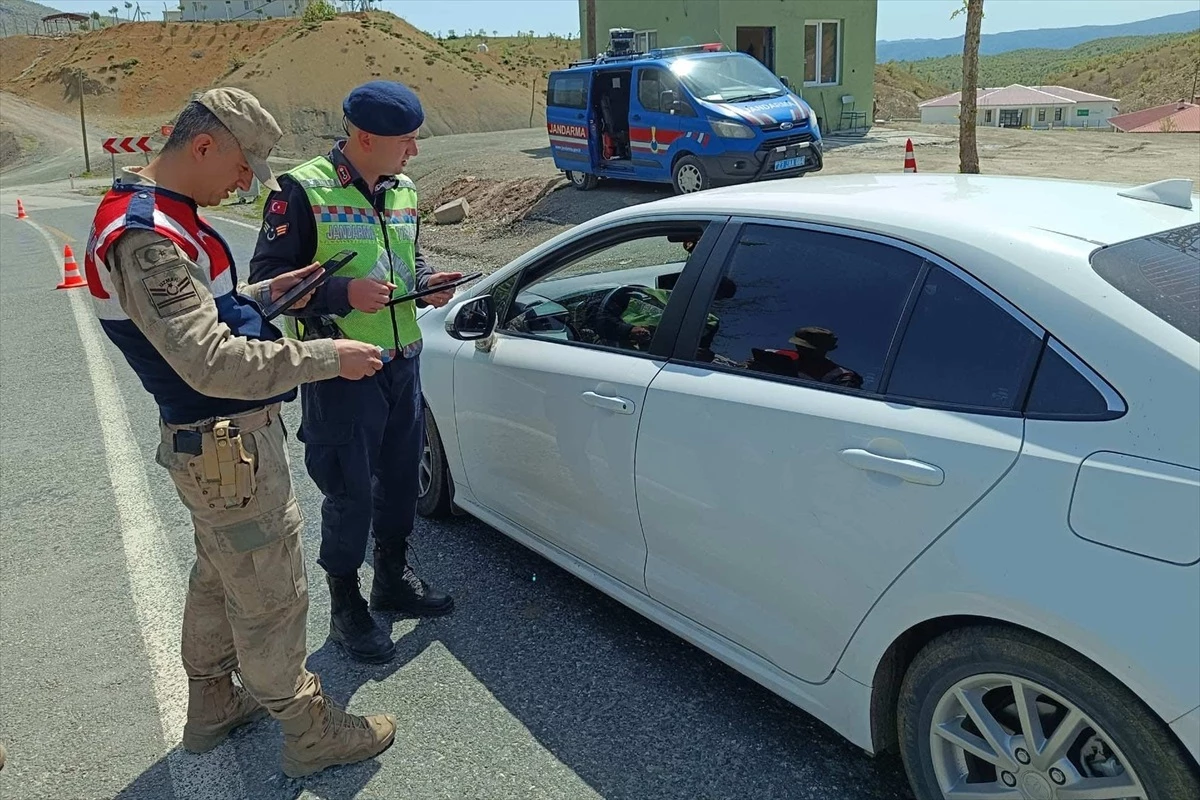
(194, 120)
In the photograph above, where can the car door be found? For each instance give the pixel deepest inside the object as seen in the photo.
(547, 412)
(653, 129)
(568, 121)
(789, 469)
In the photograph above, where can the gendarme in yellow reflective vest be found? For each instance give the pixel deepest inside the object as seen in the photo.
(386, 247)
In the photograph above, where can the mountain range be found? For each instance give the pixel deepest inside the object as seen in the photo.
(1045, 38)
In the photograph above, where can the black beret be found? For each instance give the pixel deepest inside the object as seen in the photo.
(384, 108)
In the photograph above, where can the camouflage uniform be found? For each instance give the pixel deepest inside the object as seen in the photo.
(198, 344)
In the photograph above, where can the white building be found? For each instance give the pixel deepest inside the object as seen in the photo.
(1019, 106)
(212, 10)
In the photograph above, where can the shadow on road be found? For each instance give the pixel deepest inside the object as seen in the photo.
(628, 707)
(538, 153)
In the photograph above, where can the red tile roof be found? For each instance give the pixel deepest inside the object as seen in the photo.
(1186, 120)
(1149, 117)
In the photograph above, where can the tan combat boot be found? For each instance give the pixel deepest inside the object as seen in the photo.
(216, 707)
(325, 736)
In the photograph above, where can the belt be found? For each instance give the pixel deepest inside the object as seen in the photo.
(187, 438)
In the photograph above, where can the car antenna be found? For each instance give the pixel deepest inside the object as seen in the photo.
(1172, 192)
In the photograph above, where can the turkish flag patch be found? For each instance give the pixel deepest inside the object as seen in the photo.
(277, 207)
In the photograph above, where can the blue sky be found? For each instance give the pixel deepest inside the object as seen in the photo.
(898, 19)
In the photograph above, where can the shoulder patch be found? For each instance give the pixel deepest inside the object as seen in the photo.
(157, 254)
(277, 207)
(172, 291)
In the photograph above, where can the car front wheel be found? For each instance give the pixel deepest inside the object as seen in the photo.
(433, 479)
(991, 712)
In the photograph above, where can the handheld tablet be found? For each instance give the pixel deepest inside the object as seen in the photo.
(339, 260)
(441, 287)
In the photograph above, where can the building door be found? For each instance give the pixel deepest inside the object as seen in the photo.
(1010, 117)
(758, 42)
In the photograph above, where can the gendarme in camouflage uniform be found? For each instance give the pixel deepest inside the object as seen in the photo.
(164, 286)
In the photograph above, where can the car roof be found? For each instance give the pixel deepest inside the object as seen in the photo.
(941, 204)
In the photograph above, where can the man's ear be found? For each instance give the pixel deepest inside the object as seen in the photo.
(202, 145)
(364, 140)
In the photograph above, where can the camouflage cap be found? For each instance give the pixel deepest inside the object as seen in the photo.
(252, 126)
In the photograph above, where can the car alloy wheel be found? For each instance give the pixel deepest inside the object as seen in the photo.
(997, 735)
(425, 472)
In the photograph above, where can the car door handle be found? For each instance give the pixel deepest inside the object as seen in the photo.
(906, 469)
(617, 404)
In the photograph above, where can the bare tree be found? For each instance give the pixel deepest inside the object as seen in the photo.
(968, 151)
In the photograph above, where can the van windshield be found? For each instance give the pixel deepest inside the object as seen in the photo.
(728, 78)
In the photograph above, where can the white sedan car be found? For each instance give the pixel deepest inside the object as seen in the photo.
(920, 453)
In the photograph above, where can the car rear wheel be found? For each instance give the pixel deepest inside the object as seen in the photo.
(433, 478)
(991, 712)
(689, 176)
(582, 181)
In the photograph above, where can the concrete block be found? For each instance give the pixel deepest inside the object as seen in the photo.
(451, 213)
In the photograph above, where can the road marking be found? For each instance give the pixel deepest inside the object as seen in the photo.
(232, 221)
(155, 580)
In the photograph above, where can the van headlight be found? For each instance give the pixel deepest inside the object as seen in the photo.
(730, 130)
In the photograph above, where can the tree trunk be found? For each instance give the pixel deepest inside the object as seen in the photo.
(968, 153)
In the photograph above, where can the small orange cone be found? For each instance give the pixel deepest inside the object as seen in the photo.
(71, 277)
(910, 161)
(21, 210)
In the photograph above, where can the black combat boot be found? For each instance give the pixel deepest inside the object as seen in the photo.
(397, 588)
(351, 626)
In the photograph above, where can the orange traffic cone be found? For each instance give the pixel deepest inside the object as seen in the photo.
(71, 277)
(910, 161)
(21, 210)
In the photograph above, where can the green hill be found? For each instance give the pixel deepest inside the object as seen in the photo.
(1034, 67)
(1164, 73)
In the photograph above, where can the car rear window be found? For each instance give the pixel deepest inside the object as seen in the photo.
(1160, 272)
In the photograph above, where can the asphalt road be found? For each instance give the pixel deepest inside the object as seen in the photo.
(536, 687)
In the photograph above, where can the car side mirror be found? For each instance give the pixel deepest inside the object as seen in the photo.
(475, 319)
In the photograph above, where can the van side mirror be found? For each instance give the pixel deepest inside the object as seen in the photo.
(667, 99)
(784, 80)
(475, 319)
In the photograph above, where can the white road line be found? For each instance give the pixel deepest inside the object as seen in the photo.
(155, 580)
(232, 221)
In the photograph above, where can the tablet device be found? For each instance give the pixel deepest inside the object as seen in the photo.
(339, 260)
(441, 287)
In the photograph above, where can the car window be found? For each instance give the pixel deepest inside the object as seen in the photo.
(569, 91)
(1059, 390)
(649, 86)
(613, 296)
(1160, 272)
(961, 348)
(810, 306)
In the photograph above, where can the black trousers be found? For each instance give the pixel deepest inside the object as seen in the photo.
(363, 443)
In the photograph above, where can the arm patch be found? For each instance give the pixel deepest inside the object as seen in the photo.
(171, 289)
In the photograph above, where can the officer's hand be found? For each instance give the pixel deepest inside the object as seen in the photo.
(369, 295)
(281, 283)
(441, 298)
(357, 359)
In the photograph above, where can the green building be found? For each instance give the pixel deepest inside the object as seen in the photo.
(825, 48)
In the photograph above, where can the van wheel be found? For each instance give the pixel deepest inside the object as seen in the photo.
(997, 712)
(689, 176)
(582, 180)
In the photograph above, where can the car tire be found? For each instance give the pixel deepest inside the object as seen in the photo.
(1116, 732)
(582, 181)
(689, 175)
(434, 490)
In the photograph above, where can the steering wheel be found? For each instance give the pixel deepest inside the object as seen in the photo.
(625, 293)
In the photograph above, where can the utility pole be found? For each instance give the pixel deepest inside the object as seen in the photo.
(87, 162)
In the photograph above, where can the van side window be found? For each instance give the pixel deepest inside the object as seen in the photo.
(568, 91)
(651, 84)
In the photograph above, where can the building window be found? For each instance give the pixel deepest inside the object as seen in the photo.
(645, 41)
(1058, 115)
(1041, 115)
(987, 115)
(822, 52)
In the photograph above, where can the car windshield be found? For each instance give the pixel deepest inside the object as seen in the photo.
(1160, 272)
(728, 78)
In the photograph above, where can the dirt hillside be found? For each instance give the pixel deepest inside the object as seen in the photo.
(898, 91)
(136, 75)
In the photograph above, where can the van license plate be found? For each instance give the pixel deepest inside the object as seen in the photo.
(788, 163)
